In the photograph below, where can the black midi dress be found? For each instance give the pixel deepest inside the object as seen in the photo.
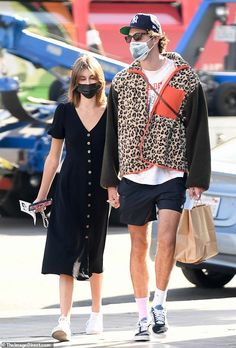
(78, 220)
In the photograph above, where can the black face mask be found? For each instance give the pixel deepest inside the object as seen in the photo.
(88, 91)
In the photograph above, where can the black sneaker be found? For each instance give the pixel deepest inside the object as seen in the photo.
(159, 320)
(142, 332)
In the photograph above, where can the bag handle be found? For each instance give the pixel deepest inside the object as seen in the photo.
(197, 203)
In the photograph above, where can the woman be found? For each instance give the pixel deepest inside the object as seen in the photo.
(78, 221)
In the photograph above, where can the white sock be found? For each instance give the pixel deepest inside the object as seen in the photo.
(142, 304)
(95, 314)
(159, 298)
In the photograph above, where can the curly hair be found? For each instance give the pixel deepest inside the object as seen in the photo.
(163, 42)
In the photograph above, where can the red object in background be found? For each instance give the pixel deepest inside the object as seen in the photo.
(5, 183)
(109, 16)
(80, 10)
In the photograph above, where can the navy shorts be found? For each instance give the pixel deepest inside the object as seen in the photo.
(139, 202)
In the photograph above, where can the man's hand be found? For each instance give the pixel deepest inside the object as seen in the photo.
(113, 197)
(195, 192)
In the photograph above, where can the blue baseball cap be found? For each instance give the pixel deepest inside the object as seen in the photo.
(143, 21)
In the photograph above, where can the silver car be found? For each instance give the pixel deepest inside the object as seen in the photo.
(219, 270)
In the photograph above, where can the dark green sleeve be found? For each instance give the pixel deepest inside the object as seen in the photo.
(110, 166)
(198, 142)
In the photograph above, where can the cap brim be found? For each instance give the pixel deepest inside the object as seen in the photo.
(125, 30)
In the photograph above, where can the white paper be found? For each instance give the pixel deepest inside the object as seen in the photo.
(24, 206)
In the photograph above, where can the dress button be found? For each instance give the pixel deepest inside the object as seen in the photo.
(88, 134)
(87, 226)
(86, 237)
(89, 151)
(88, 143)
(89, 183)
(88, 216)
(89, 205)
(89, 194)
(90, 172)
(89, 161)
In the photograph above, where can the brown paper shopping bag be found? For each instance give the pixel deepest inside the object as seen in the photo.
(196, 238)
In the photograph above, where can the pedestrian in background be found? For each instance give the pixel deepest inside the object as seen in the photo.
(94, 42)
(157, 143)
(78, 221)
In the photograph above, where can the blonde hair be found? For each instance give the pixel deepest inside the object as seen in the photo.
(90, 63)
(162, 43)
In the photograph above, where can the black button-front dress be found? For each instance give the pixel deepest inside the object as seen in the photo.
(78, 221)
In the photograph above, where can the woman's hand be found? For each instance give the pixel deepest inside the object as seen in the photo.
(113, 197)
(39, 199)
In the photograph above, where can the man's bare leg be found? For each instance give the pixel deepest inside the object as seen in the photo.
(140, 278)
(166, 238)
(138, 260)
(167, 227)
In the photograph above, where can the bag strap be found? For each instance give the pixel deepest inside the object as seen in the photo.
(162, 99)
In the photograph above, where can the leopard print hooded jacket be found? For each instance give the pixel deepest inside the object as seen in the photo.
(174, 137)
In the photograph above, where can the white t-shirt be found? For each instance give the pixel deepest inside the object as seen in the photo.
(156, 175)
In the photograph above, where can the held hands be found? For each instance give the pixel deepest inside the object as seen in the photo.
(195, 192)
(113, 197)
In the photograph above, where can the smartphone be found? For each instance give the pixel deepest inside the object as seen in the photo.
(40, 204)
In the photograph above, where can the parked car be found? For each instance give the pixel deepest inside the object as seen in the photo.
(219, 270)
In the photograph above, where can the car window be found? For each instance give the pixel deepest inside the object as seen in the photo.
(225, 152)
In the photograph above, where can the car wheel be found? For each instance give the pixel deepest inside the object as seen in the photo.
(205, 278)
(225, 100)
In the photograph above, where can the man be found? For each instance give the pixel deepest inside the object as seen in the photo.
(158, 142)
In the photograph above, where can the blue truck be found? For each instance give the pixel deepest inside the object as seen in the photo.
(220, 86)
(23, 128)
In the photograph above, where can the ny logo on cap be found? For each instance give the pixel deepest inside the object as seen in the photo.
(135, 19)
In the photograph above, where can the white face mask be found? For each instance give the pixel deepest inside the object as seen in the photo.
(140, 50)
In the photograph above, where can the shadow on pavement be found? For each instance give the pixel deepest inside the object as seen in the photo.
(182, 294)
(36, 327)
(186, 294)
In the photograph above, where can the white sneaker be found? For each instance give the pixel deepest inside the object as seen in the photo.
(159, 320)
(95, 324)
(62, 331)
(142, 330)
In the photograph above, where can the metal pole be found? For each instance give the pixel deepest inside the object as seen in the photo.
(80, 11)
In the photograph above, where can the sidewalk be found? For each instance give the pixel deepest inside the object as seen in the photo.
(200, 324)
(29, 309)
